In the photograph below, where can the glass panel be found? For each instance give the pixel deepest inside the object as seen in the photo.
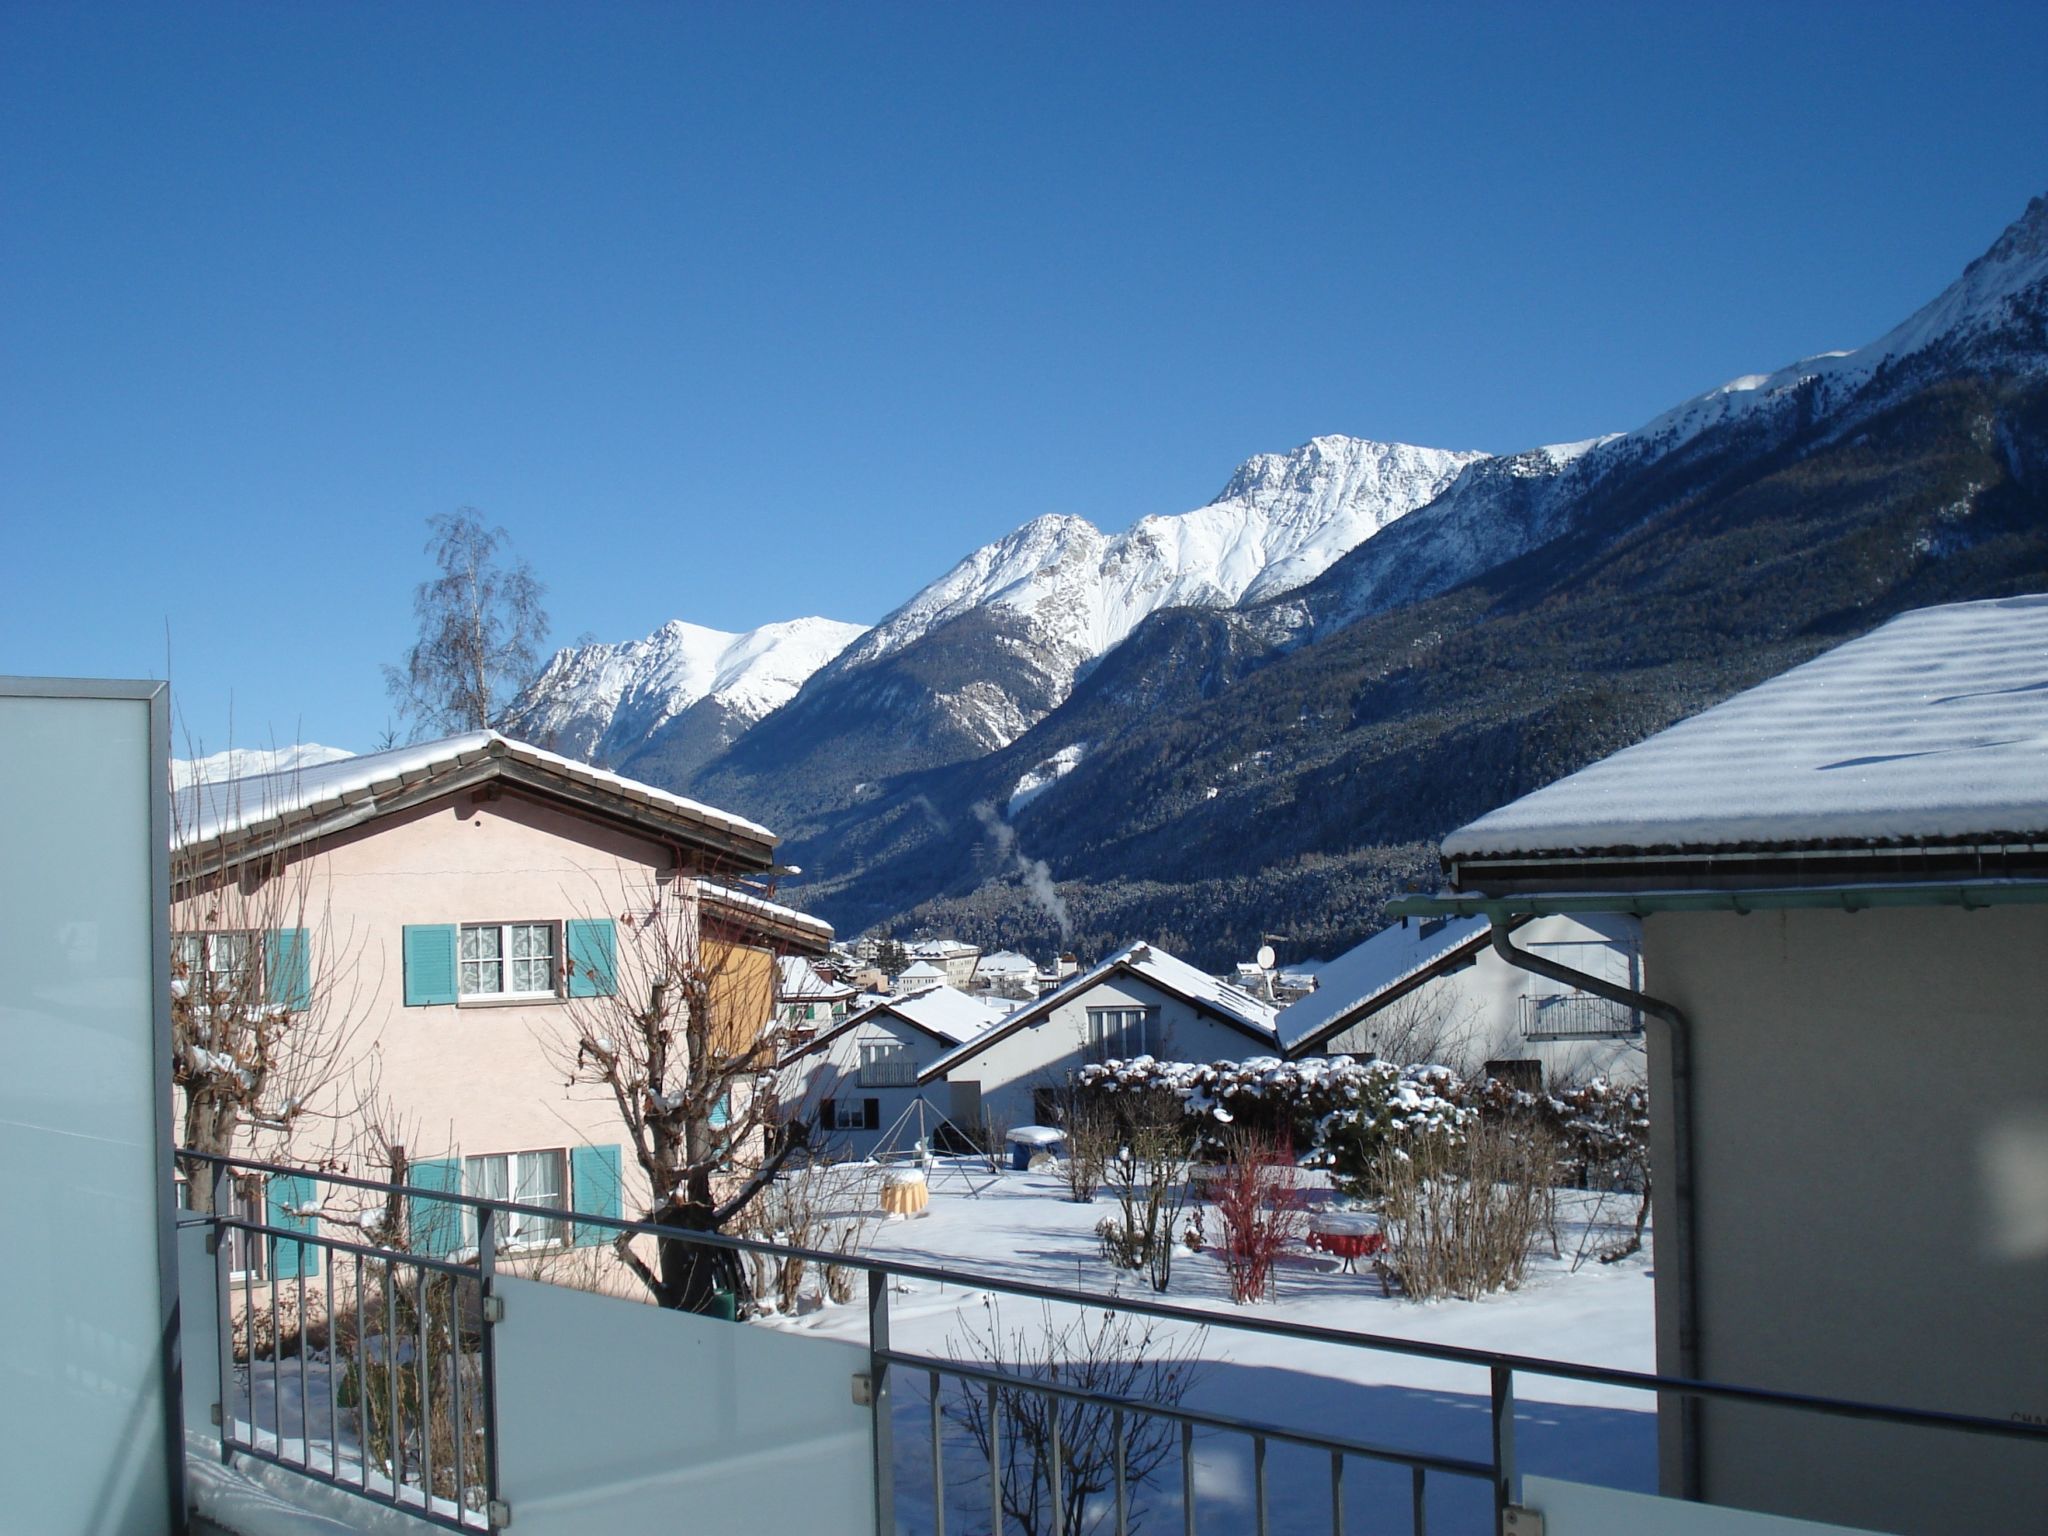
(530, 940)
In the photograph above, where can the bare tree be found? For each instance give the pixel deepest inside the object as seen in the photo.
(1110, 1354)
(481, 627)
(682, 1040)
(1431, 1026)
(264, 990)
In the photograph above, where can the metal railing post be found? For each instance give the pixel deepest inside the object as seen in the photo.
(1506, 1485)
(224, 1304)
(487, 1352)
(879, 1402)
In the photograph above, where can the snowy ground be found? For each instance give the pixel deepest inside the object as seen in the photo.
(1023, 1226)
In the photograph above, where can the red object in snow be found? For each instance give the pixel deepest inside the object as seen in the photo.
(1348, 1246)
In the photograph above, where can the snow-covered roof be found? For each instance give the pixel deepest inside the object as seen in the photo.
(760, 906)
(799, 980)
(210, 809)
(950, 1012)
(1006, 962)
(1167, 972)
(1349, 984)
(946, 1014)
(921, 973)
(1934, 726)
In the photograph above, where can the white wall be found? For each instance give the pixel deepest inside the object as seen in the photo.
(1478, 1005)
(1870, 1105)
(833, 1072)
(1047, 1051)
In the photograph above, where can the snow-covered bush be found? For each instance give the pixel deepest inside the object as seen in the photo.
(1315, 1105)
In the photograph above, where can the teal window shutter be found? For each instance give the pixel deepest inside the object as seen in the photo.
(287, 969)
(593, 948)
(436, 1225)
(285, 1198)
(429, 964)
(594, 1184)
(721, 1112)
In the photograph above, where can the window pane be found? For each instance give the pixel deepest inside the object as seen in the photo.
(532, 976)
(540, 1183)
(189, 950)
(228, 953)
(531, 941)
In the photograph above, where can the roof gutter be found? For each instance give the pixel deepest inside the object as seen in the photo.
(1678, 1033)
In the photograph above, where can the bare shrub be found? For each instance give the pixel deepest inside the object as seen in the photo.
(1461, 1210)
(1261, 1209)
(1090, 1132)
(1149, 1169)
(1109, 1353)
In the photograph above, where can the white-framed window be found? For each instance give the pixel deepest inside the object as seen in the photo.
(1121, 1033)
(506, 960)
(226, 962)
(531, 1178)
(886, 1064)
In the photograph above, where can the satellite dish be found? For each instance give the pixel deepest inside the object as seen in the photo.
(1265, 957)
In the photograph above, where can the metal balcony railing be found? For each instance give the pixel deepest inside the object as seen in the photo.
(888, 1074)
(415, 1377)
(1577, 1016)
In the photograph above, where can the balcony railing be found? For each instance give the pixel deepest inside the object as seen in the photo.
(433, 1403)
(1577, 1016)
(888, 1074)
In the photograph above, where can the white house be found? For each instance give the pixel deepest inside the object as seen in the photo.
(860, 1076)
(808, 1000)
(953, 958)
(920, 976)
(1007, 974)
(1433, 989)
(1140, 1001)
(1842, 879)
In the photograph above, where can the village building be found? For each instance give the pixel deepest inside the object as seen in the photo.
(857, 1082)
(1842, 881)
(1141, 1001)
(1432, 990)
(449, 907)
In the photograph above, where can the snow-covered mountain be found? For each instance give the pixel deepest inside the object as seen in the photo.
(1283, 519)
(1992, 318)
(242, 762)
(1066, 592)
(605, 702)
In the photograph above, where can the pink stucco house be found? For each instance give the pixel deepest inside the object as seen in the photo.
(432, 916)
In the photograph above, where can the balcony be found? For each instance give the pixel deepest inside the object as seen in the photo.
(426, 1392)
(1577, 1016)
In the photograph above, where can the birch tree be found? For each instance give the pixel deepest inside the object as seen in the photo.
(481, 626)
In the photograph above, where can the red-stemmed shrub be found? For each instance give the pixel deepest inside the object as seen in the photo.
(1261, 1209)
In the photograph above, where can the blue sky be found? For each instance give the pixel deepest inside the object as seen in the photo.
(735, 313)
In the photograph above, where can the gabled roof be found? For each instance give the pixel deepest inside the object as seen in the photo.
(947, 1015)
(1171, 975)
(1006, 962)
(1365, 979)
(799, 981)
(1932, 729)
(233, 819)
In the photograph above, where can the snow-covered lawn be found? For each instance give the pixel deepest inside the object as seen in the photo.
(1023, 1227)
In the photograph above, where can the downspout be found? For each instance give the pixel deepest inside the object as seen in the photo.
(1679, 1037)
